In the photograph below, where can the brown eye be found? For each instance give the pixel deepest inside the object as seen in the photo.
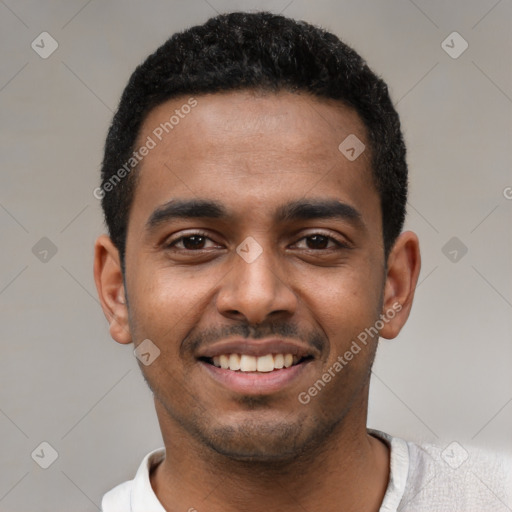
(321, 243)
(317, 241)
(193, 242)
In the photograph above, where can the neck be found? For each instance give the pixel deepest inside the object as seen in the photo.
(349, 472)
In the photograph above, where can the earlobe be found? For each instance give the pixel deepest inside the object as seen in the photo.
(404, 263)
(108, 277)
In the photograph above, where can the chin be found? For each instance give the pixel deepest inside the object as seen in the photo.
(264, 443)
(269, 442)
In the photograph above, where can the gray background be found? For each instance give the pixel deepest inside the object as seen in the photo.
(64, 381)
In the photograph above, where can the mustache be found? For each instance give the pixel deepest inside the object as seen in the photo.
(194, 341)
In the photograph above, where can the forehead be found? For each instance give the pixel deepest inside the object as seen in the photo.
(251, 152)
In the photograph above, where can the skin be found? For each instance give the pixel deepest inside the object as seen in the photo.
(252, 153)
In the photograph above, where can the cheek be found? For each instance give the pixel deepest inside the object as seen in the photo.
(344, 301)
(166, 304)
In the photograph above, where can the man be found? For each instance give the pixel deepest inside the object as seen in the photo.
(254, 188)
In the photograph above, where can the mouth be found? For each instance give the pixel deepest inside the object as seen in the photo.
(246, 363)
(258, 367)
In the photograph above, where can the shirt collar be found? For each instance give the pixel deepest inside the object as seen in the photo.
(143, 498)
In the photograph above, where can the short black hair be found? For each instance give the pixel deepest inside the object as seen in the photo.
(255, 51)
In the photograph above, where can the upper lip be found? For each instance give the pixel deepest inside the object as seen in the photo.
(257, 348)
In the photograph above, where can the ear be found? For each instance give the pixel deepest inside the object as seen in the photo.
(404, 263)
(109, 283)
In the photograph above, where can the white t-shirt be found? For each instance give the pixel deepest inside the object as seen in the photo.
(423, 478)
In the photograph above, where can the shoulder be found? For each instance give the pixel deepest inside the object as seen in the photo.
(446, 477)
(457, 477)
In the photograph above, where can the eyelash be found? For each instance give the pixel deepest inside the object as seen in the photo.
(338, 244)
(171, 243)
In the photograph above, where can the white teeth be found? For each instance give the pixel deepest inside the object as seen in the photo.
(247, 363)
(278, 361)
(234, 362)
(224, 362)
(265, 363)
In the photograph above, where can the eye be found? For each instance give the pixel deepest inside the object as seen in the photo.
(191, 242)
(319, 241)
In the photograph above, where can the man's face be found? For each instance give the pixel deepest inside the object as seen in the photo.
(271, 267)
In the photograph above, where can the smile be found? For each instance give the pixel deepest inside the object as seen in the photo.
(257, 367)
(248, 363)
(258, 376)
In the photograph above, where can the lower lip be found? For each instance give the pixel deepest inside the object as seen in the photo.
(255, 383)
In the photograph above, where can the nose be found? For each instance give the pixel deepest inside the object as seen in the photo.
(255, 291)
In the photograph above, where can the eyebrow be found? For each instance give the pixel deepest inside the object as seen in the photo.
(306, 209)
(185, 209)
(303, 209)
